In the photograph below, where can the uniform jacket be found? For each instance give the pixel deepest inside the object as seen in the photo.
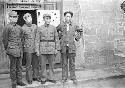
(29, 34)
(47, 41)
(67, 37)
(13, 39)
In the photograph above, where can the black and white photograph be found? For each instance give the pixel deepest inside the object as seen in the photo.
(62, 43)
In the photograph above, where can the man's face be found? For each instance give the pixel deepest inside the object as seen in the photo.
(13, 19)
(47, 20)
(28, 19)
(68, 17)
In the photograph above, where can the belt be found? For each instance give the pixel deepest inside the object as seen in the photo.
(47, 40)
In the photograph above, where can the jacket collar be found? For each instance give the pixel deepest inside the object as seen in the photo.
(14, 24)
(70, 23)
(29, 25)
(46, 25)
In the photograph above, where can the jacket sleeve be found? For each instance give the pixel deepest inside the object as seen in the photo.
(78, 35)
(35, 32)
(59, 31)
(57, 40)
(22, 40)
(37, 40)
(22, 37)
(5, 37)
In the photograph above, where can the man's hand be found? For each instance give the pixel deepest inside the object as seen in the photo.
(37, 53)
(21, 53)
(56, 51)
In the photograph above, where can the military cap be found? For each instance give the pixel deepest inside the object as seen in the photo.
(47, 15)
(13, 13)
(26, 15)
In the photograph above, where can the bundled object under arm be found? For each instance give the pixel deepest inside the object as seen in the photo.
(79, 33)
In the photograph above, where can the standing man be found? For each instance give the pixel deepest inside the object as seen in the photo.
(13, 40)
(47, 46)
(32, 65)
(68, 34)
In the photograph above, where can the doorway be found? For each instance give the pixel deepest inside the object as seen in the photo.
(21, 22)
(21, 13)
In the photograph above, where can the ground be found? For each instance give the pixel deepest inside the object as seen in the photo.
(113, 82)
(97, 78)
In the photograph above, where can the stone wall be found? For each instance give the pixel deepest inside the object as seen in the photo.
(103, 23)
(3, 57)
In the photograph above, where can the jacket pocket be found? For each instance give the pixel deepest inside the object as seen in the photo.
(14, 52)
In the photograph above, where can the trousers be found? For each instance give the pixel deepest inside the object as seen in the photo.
(68, 63)
(43, 61)
(15, 69)
(32, 66)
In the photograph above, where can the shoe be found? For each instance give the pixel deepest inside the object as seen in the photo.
(36, 79)
(74, 81)
(43, 82)
(64, 81)
(13, 85)
(21, 84)
(29, 82)
(53, 81)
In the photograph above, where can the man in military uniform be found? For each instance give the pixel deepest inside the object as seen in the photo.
(47, 46)
(32, 65)
(68, 34)
(12, 40)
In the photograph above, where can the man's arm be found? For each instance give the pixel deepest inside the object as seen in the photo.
(57, 40)
(59, 31)
(37, 42)
(22, 36)
(22, 40)
(35, 33)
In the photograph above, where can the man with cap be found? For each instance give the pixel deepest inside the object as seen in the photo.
(68, 33)
(47, 46)
(32, 65)
(13, 40)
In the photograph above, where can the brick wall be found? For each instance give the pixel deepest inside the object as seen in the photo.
(103, 23)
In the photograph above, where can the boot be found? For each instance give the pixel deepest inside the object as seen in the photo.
(43, 82)
(74, 81)
(53, 81)
(64, 80)
(29, 82)
(20, 83)
(36, 79)
(13, 85)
